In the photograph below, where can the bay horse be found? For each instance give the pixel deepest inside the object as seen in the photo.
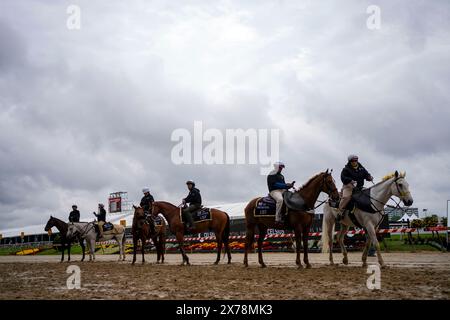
(219, 224)
(299, 220)
(394, 184)
(141, 230)
(87, 231)
(62, 228)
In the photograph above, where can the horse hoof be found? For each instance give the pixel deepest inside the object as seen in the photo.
(263, 265)
(300, 266)
(383, 266)
(308, 266)
(364, 265)
(216, 263)
(345, 261)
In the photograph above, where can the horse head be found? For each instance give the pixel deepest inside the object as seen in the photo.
(400, 188)
(328, 186)
(50, 224)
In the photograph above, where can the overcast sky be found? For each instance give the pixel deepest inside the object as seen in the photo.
(90, 111)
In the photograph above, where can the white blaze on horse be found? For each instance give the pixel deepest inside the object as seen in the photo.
(87, 231)
(378, 195)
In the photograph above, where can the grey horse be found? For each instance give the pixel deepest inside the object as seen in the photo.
(87, 231)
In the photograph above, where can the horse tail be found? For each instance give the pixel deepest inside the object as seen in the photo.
(226, 233)
(327, 222)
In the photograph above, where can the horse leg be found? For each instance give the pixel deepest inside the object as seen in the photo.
(305, 235)
(373, 237)
(181, 246)
(249, 239)
(63, 247)
(135, 240)
(341, 236)
(262, 234)
(93, 249)
(82, 248)
(161, 244)
(68, 252)
(219, 246)
(365, 252)
(227, 250)
(298, 234)
(142, 248)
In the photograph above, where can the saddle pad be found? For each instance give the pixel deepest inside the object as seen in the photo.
(265, 206)
(158, 221)
(108, 226)
(202, 215)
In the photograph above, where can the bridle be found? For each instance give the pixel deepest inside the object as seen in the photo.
(329, 190)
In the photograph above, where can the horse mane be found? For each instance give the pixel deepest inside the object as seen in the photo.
(167, 203)
(391, 175)
(310, 181)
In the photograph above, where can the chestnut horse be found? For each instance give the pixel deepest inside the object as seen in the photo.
(141, 230)
(219, 224)
(300, 221)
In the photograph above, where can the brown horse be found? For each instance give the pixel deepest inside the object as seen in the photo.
(219, 223)
(300, 221)
(141, 230)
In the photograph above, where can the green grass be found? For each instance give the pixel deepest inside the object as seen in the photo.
(400, 246)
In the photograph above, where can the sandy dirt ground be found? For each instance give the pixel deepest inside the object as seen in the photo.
(408, 276)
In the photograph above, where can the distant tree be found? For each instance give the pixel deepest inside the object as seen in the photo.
(431, 221)
(444, 221)
(418, 224)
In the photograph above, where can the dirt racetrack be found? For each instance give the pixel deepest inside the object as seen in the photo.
(409, 276)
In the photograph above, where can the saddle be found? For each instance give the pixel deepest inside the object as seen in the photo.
(294, 201)
(361, 200)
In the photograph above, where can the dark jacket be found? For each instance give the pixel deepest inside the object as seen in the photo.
(194, 197)
(359, 175)
(74, 216)
(101, 216)
(276, 182)
(146, 202)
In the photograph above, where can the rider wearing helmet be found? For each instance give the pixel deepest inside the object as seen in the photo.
(194, 199)
(101, 218)
(277, 185)
(147, 203)
(352, 177)
(74, 215)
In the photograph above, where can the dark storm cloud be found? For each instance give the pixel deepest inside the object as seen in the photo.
(88, 112)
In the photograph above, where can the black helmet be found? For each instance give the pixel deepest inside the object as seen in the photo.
(74, 206)
(190, 182)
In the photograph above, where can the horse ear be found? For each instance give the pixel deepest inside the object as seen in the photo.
(326, 171)
(331, 171)
(396, 173)
(134, 207)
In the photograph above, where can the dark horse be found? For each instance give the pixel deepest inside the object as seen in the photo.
(141, 230)
(300, 221)
(62, 228)
(219, 223)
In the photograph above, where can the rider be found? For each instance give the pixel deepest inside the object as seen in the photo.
(147, 204)
(277, 185)
(101, 218)
(352, 177)
(74, 215)
(195, 202)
